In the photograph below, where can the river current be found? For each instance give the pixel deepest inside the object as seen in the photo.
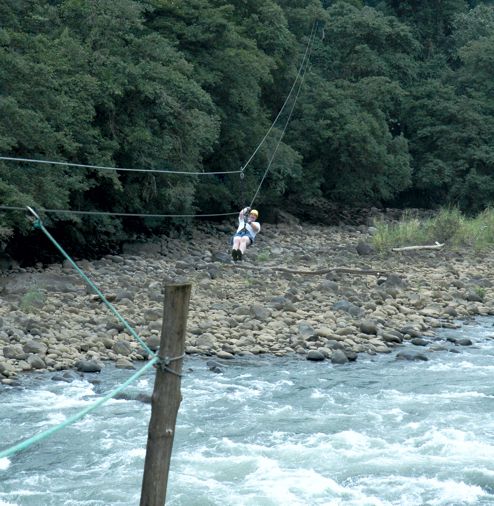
(270, 431)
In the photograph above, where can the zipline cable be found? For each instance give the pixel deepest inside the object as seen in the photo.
(286, 124)
(143, 215)
(104, 213)
(286, 100)
(160, 171)
(38, 224)
(100, 167)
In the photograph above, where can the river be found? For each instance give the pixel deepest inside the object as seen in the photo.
(270, 431)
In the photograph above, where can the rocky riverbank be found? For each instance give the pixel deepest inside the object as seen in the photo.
(50, 320)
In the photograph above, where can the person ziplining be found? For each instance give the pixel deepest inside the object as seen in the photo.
(248, 228)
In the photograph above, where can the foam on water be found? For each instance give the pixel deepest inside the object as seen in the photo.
(412, 491)
(139, 453)
(269, 432)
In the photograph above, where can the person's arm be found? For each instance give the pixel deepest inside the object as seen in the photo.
(255, 226)
(243, 214)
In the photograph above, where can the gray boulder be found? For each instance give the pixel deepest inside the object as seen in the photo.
(394, 281)
(153, 314)
(315, 356)
(418, 341)
(410, 355)
(220, 256)
(368, 327)
(153, 341)
(6, 369)
(464, 341)
(348, 307)
(36, 362)
(280, 302)
(24, 282)
(364, 248)
(37, 347)
(122, 348)
(411, 331)
(66, 377)
(14, 351)
(214, 366)
(474, 296)
(339, 357)
(88, 366)
(306, 330)
(260, 312)
(388, 337)
(123, 363)
(328, 285)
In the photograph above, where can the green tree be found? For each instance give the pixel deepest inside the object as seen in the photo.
(97, 86)
(432, 20)
(350, 155)
(473, 25)
(348, 126)
(449, 142)
(47, 112)
(362, 42)
(236, 50)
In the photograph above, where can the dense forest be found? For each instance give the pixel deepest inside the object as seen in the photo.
(382, 103)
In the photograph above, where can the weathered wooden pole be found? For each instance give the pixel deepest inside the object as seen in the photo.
(166, 395)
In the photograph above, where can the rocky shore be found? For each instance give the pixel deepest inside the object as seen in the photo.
(50, 320)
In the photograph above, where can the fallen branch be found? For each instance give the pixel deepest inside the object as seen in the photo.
(410, 248)
(344, 270)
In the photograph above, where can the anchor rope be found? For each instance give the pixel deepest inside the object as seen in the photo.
(23, 445)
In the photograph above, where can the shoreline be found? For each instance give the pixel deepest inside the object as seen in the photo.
(50, 320)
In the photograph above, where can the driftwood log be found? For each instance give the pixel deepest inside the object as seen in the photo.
(412, 248)
(344, 270)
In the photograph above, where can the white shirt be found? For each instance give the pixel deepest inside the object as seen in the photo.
(253, 232)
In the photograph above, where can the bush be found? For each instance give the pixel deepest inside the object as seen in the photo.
(31, 300)
(445, 225)
(449, 225)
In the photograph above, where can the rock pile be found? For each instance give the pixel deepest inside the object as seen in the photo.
(49, 319)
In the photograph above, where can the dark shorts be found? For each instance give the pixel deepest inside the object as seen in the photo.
(245, 233)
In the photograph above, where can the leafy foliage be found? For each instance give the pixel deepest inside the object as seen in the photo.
(396, 107)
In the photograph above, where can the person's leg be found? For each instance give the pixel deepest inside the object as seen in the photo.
(245, 241)
(235, 248)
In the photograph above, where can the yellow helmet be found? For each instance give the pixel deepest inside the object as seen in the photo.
(254, 211)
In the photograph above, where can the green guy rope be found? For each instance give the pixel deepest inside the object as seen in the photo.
(39, 224)
(23, 445)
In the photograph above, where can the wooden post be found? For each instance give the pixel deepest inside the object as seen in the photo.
(166, 396)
